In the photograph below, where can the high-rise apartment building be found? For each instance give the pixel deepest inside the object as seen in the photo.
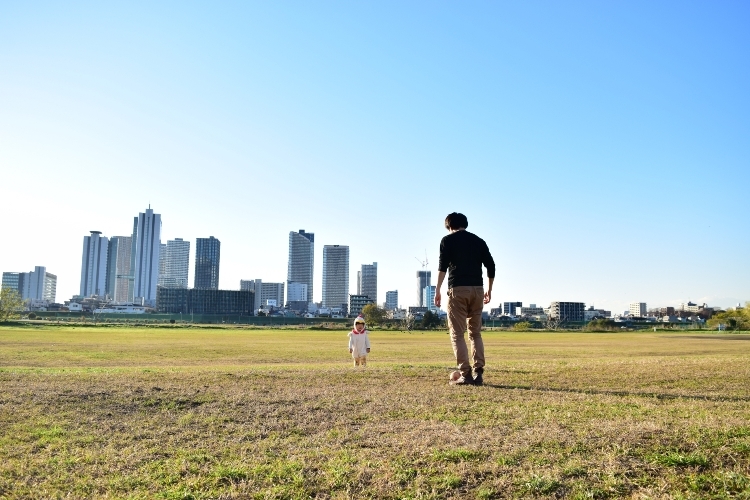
(35, 285)
(428, 297)
(638, 309)
(119, 275)
(335, 275)
(174, 264)
(391, 300)
(301, 254)
(296, 292)
(424, 279)
(207, 258)
(94, 265)
(264, 292)
(367, 281)
(147, 249)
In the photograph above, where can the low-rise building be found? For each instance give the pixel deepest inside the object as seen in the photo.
(205, 301)
(567, 311)
(357, 303)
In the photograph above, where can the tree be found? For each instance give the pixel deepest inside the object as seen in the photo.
(733, 320)
(431, 320)
(522, 326)
(11, 304)
(373, 314)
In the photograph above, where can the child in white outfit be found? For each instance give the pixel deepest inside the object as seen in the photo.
(359, 342)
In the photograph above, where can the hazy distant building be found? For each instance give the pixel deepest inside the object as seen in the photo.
(638, 309)
(335, 275)
(264, 292)
(147, 249)
(207, 257)
(567, 311)
(531, 310)
(391, 300)
(357, 303)
(510, 308)
(689, 307)
(301, 257)
(367, 281)
(119, 275)
(94, 265)
(428, 297)
(296, 297)
(35, 285)
(424, 279)
(175, 264)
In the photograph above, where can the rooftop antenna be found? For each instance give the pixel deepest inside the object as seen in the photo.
(424, 262)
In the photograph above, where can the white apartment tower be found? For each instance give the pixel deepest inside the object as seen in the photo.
(428, 297)
(300, 268)
(147, 248)
(174, 264)
(367, 281)
(119, 273)
(391, 300)
(638, 309)
(335, 275)
(94, 265)
(40, 285)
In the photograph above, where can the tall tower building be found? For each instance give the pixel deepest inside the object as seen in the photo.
(301, 253)
(175, 264)
(367, 281)
(147, 248)
(207, 256)
(424, 279)
(391, 300)
(119, 273)
(335, 275)
(94, 265)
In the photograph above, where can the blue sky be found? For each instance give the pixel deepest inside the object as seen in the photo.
(600, 148)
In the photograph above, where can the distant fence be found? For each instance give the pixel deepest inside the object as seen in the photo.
(185, 318)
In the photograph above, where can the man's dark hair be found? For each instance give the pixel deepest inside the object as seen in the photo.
(456, 221)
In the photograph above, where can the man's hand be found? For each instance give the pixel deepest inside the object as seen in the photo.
(487, 296)
(437, 298)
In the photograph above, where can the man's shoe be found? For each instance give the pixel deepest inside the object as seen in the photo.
(478, 379)
(463, 380)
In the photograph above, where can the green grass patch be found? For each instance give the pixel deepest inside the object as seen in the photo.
(247, 413)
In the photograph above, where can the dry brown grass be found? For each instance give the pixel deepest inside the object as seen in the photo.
(117, 413)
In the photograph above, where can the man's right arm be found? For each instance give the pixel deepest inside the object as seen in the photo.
(438, 297)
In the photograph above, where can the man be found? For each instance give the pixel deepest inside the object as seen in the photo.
(462, 254)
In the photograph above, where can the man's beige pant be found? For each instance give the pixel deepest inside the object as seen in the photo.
(465, 305)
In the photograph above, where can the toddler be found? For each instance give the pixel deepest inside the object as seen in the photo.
(359, 342)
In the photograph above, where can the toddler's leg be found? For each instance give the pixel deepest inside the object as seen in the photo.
(356, 362)
(364, 361)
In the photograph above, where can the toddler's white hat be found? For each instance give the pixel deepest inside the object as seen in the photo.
(359, 319)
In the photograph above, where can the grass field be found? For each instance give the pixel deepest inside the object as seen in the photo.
(231, 413)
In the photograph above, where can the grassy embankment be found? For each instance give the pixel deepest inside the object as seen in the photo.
(206, 413)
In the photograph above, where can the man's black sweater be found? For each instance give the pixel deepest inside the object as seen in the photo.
(462, 254)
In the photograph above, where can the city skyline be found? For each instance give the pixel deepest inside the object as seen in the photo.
(607, 141)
